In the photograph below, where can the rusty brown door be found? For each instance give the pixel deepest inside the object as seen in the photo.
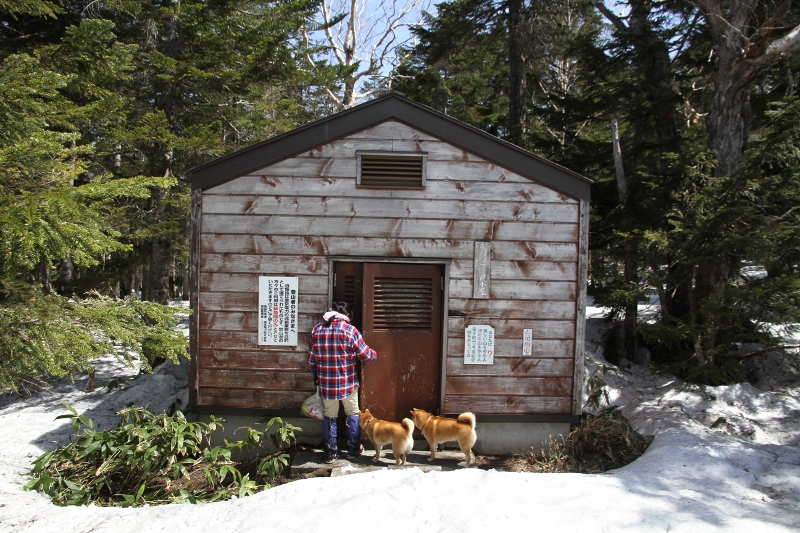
(402, 321)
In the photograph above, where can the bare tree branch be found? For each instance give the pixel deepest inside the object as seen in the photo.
(367, 44)
(306, 55)
(607, 13)
(786, 44)
(772, 349)
(686, 35)
(326, 19)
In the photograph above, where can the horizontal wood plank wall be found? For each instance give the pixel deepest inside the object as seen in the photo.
(287, 219)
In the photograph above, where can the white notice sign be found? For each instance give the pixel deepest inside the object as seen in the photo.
(479, 345)
(527, 341)
(277, 311)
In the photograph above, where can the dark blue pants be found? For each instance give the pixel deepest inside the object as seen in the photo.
(330, 432)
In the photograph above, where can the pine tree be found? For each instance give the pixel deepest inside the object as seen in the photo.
(207, 79)
(105, 108)
(665, 220)
(45, 219)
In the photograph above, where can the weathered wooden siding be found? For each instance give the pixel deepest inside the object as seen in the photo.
(288, 218)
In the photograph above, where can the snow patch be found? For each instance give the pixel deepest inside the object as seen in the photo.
(722, 459)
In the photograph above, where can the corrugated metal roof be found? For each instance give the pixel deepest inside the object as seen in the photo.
(391, 106)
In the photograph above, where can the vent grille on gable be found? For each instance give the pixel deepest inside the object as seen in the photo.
(402, 303)
(386, 170)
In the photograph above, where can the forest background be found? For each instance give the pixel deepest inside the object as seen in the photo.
(683, 112)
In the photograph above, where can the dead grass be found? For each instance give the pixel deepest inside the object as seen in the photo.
(597, 444)
(320, 472)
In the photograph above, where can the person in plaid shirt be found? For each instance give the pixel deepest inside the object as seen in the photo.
(333, 350)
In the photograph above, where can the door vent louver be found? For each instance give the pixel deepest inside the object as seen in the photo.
(403, 303)
(391, 170)
(350, 292)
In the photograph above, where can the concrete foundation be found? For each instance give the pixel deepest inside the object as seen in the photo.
(494, 438)
(502, 438)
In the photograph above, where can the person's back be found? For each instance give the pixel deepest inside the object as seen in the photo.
(334, 347)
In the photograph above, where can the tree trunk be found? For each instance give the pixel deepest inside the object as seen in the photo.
(45, 274)
(622, 186)
(653, 72)
(158, 271)
(629, 323)
(516, 78)
(136, 283)
(710, 284)
(728, 130)
(67, 276)
(631, 319)
(159, 274)
(744, 47)
(185, 282)
(169, 47)
(157, 277)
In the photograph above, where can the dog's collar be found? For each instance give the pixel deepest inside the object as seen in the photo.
(426, 423)
(367, 423)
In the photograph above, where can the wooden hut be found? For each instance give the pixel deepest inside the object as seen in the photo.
(464, 256)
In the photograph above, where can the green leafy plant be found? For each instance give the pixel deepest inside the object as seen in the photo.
(152, 459)
(283, 437)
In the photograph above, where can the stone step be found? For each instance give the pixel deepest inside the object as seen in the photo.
(310, 459)
(348, 469)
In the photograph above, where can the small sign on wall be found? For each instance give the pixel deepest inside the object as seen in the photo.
(277, 311)
(479, 345)
(527, 341)
(482, 265)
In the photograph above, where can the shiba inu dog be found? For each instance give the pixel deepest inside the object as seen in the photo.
(381, 432)
(438, 429)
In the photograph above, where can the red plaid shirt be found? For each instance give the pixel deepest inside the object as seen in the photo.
(332, 354)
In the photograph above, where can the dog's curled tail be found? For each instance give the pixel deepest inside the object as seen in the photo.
(467, 418)
(408, 425)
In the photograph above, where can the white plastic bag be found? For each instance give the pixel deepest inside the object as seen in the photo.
(313, 406)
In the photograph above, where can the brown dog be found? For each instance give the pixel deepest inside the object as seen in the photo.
(438, 429)
(381, 432)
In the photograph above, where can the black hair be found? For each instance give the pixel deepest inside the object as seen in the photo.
(339, 307)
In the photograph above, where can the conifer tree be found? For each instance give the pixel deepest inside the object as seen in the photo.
(208, 79)
(105, 107)
(46, 218)
(667, 221)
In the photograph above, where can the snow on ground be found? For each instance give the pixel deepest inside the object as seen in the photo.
(742, 475)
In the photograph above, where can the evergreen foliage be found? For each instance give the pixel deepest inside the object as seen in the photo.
(46, 218)
(683, 231)
(103, 109)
